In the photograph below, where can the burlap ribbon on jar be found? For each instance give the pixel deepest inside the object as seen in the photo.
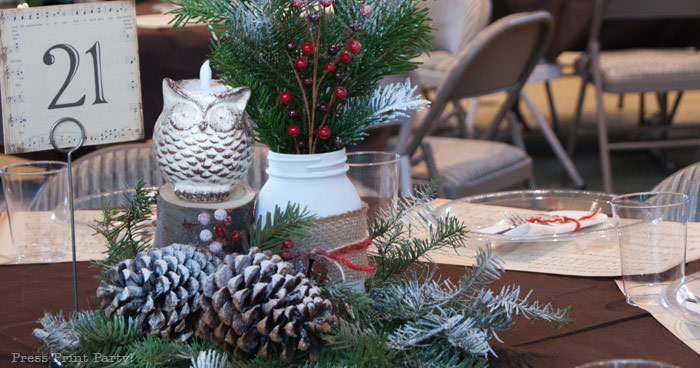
(340, 244)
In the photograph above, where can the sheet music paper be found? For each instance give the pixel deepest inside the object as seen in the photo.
(78, 61)
(88, 245)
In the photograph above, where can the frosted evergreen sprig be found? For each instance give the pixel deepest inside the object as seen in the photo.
(387, 103)
(57, 333)
(209, 359)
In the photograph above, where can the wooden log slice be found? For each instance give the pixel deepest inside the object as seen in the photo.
(181, 221)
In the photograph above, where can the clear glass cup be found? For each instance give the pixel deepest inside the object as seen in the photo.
(651, 229)
(375, 175)
(36, 195)
(627, 363)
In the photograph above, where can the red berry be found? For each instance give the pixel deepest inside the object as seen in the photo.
(300, 63)
(326, 3)
(345, 56)
(290, 46)
(330, 67)
(338, 142)
(366, 10)
(307, 48)
(340, 92)
(355, 47)
(338, 76)
(227, 220)
(332, 50)
(307, 81)
(292, 113)
(301, 144)
(236, 236)
(288, 244)
(285, 97)
(286, 255)
(222, 241)
(219, 230)
(324, 132)
(293, 130)
(296, 3)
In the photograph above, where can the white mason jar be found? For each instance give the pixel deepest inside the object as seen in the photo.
(316, 181)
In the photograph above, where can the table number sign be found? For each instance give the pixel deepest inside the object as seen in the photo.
(78, 61)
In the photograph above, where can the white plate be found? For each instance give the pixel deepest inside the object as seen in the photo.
(527, 201)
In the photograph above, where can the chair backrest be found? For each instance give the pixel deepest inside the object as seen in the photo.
(456, 21)
(499, 58)
(648, 9)
(639, 9)
(687, 181)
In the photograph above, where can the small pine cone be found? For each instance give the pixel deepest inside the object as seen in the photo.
(160, 288)
(256, 303)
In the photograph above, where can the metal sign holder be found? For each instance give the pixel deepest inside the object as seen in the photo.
(68, 151)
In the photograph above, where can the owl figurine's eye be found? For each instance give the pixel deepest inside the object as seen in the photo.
(221, 118)
(184, 116)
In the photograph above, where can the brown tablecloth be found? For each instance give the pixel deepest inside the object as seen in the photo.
(605, 327)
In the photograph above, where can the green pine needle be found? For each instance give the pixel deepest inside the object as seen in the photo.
(126, 230)
(269, 232)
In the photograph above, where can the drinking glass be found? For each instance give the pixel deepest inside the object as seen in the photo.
(651, 229)
(36, 195)
(375, 175)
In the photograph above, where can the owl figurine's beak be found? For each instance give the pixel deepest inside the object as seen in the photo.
(202, 125)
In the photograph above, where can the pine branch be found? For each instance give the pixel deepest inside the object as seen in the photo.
(358, 345)
(127, 230)
(395, 258)
(210, 359)
(57, 334)
(416, 210)
(105, 335)
(153, 352)
(351, 305)
(249, 50)
(276, 227)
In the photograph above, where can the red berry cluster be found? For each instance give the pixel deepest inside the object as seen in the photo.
(286, 253)
(215, 238)
(300, 59)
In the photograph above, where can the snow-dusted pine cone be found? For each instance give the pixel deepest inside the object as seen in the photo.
(160, 288)
(256, 303)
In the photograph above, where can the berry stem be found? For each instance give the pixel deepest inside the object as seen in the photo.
(325, 117)
(316, 83)
(301, 85)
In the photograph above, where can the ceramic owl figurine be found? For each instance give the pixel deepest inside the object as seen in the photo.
(202, 140)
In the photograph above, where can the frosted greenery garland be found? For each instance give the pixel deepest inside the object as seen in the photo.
(413, 319)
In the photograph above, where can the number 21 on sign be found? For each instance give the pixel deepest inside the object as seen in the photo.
(74, 63)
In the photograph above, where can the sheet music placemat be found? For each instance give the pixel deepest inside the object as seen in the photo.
(88, 245)
(597, 256)
(78, 61)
